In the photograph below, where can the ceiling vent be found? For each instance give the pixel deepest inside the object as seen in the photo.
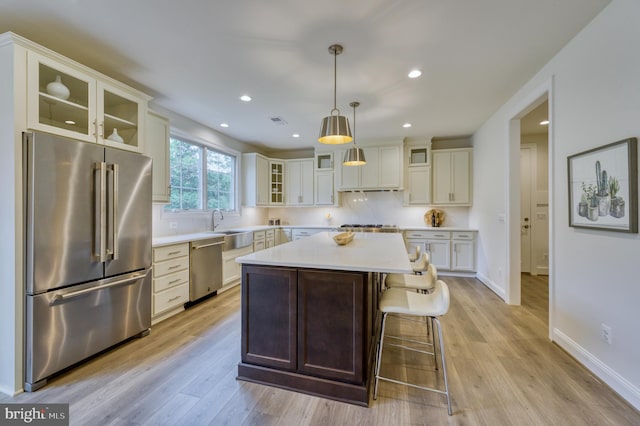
(278, 120)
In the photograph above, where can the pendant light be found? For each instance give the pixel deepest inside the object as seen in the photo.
(354, 155)
(335, 128)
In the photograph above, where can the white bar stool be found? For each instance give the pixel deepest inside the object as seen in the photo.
(415, 255)
(407, 302)
(420, 265)
(423, 283)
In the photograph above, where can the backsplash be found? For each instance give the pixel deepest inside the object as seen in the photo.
(368, 207)
(356, 207)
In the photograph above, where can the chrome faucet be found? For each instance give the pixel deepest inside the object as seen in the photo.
(213, 218)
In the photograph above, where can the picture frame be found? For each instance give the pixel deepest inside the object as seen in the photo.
(603, 187)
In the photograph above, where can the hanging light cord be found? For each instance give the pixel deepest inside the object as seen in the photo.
(334, 50)
(354, 105)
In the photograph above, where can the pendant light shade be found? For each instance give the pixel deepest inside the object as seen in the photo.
(335, 128)
(354, 155)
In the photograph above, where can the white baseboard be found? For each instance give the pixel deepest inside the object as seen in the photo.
(619, 384)
(500, 292)
(5, 390)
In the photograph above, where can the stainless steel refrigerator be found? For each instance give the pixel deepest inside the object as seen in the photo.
(88, 251)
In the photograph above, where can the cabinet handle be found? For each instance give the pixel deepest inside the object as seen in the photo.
(173, 267)
(173, 298)
(172, 253)
(438, 235)
(95, 128)
(101, 130)
(174, 281)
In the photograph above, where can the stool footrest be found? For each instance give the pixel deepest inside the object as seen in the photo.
(412, 385)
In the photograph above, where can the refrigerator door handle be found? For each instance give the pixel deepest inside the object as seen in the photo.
(113, 251)
(61, 297)
(100, 212)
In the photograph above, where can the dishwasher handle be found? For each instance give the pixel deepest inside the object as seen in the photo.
(194, 247)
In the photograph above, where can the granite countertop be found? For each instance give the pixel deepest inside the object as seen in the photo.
(368, 252)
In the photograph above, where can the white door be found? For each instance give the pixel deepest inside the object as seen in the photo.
(526, 190)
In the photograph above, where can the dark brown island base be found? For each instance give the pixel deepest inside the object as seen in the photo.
(312, 328)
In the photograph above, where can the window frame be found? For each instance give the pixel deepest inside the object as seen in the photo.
(216, 147)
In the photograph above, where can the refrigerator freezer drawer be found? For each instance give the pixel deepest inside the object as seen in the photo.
(66, 326)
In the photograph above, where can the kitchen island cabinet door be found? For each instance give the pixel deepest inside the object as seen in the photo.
(330, 339)
(269, 315)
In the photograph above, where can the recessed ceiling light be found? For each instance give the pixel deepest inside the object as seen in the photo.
(295, 135)
(406, 125)
(415, 74)
(544, 122)
(70, 122)
(245, 98)
(224, 125)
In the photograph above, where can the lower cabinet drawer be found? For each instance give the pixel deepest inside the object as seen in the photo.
(170, 266)
(171, 280)
(171, 298)
(463, 235)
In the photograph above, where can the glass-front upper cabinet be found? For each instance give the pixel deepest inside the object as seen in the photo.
(418, 156)
(67, 102)
(121, 115)
(277, 182)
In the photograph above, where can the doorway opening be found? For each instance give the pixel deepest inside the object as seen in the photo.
(534, 210)
(535, 200)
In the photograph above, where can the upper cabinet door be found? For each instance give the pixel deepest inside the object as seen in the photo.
(452, 176)
(61, 99)
(119, 116)
(65, 101)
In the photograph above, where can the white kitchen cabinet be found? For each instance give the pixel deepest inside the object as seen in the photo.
(418, 189)
(299, 177)
(170, 280)
(383, 170)
(324, 161)
(93, 108)
(463, 251)
(390, 168)
(259, 240)
(276, 182)
(270, 238)
(452, 176)
(231, 270)
(297, 233)
(451, 252)
(417, 172)
(435, 243)
(324, 189)
(255, 171)
(157, 147)
(439, 253)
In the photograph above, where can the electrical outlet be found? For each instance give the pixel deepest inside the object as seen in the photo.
(173, 225)
(607, 337)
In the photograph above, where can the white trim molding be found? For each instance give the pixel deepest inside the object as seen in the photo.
(492, 286)
(615, 381)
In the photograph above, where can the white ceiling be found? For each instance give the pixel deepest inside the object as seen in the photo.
(196, 57)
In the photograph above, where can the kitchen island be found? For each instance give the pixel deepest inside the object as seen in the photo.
(310, 316)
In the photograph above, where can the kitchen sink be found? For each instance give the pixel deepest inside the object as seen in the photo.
(235, 239)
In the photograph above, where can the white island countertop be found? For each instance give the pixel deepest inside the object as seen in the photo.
(368, 252)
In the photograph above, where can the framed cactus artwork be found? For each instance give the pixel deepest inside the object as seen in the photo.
(603, 187)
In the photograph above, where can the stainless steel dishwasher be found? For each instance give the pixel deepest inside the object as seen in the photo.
(205, 267)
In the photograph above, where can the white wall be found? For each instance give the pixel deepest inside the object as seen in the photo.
(595, 100)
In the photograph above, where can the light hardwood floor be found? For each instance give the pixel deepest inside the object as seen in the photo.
(502, 371)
